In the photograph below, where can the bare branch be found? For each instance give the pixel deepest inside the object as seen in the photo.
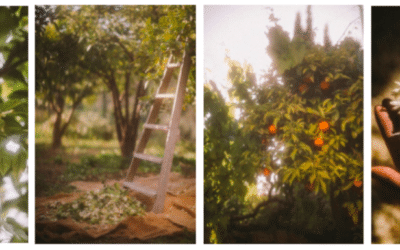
(257, 209)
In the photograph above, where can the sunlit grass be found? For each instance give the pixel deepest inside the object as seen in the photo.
(83, 159)
(83, 146)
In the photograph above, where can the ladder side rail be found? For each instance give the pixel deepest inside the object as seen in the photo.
(166, 77)
(154, 110)
(173, 134)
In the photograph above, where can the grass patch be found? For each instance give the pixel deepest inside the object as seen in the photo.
(44, 188)
(94, 167)
(104, 166)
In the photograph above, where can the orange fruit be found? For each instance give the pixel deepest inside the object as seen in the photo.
(323, 126)
(357, 183)
(324, 85)
(318, 142)
(303, 87)
(272, 129)
(310, 187)
(266, 171)
(308, 79)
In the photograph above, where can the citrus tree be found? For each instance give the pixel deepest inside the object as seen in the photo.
(126, 47)
(302, 128)
(13, 118)
(61, 83)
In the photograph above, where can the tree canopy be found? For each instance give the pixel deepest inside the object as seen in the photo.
(301, 127)
(124, 48)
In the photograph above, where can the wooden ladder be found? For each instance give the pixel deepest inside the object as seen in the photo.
(172, 132)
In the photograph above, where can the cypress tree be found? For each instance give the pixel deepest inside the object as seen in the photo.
(309, 34)
(298, 31)
(327, 39)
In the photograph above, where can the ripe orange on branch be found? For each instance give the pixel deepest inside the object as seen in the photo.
(357, 183)
(323, 126)
(308, 79)
(303, 87)
(266, 172)
(272, 129)
(310, 187)
(319, 142)
(324, 85)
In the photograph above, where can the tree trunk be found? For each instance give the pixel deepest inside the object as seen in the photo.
(57, 132)
(342, 219)
(60, 128)
(126, 128)
(127, 144)
(129, 134)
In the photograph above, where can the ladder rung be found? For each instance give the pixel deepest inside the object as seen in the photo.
(173, 65)
(151, 158)
(159, 96)
(156, 126)
(140, 189)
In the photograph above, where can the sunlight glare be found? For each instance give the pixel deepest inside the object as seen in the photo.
(10, 37)
(20, 217)
(24, 175)
(264, 184)
(2, 61)
(12, 146)
(10, 192)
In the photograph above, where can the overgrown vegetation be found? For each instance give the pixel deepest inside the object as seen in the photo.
(301, 130)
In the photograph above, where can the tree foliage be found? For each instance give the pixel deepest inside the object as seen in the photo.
(126, 47)
(61, 83)
(13, 114)
(302, 126)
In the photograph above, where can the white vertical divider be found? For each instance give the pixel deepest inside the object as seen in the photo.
(31, 123)
(367, 124)
(199, 124)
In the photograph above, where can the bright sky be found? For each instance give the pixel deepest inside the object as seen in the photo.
(239, 31)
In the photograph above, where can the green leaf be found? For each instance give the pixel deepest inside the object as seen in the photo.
(321, 112)
(15, 76)
(10, 104)
(18, 229)
(326, 102)
(312, 128)
(324, 174)
(286, 176)
(276, 120)
(323, 186)
(293, 154)
(305, 165)
(312, 177)
(348, 186)
(312, 111)
(19, 94)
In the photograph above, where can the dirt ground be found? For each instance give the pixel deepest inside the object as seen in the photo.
(179, 215)
(176, 224)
